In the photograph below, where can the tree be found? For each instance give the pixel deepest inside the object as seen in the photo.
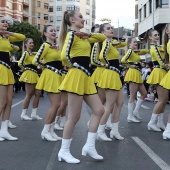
(29, 31)
(103, 20)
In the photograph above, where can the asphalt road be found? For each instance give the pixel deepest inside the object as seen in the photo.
(140, 150)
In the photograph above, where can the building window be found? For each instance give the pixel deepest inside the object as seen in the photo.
(157, 3)
(45, 16)
(150, 6)
(20, 8)
(88, 2)
(51, 18)
(87, 12)
(165, 2)
(38, 15)
(77, 8)
(87, 22)
(145, 11)
(58, 28)
(70, 8)
(50, 8)
(38, 26)
(45, 6)
(59, 18)
(51, 0)
(9, 5)
(140, 15)
(38, 4)
(59, 8)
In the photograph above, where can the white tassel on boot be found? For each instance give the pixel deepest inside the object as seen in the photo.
(57, 126)
(24, 115)
(131, 117)
(34, 115)
(109, 122)
(53, 134)
(89, 147)
(101, 135)
(10, 125)
(166, 133)
(64, 153)
(152, 123)
(46, 134)
(136, 111)
(115, 132)
(160, 123)
(4, 131)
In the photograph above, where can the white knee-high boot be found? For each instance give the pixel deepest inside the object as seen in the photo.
(101, 135)
(46, 134)
(115, 132)
(34, 115)
(136, 110)
(64, 153)
(57, 126)
(131, 117)
(152, 123)
(4, 131)
(160, 123)
(53, 134)
(89, 147)
(24, 115)
(109, 122)
(166, 133)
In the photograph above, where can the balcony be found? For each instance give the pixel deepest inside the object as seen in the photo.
(25, 14)
(25, 3)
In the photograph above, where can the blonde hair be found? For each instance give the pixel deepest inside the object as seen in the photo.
(128, 41)
(63, 29)
(25, 42)
(166, 38)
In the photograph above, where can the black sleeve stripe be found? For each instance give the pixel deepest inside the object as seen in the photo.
(94, 56)
(39, 55)
(127, 57)
(22, 59)
(68, 49)
(105, 51)
(159, 56)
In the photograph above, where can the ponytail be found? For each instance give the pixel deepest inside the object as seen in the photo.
(63, 29)
(166, 38)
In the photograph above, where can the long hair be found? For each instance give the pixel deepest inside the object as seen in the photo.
(45, 30)
(128, 41)
(24, 43)
(101, 29)
(147, 34)
(166, 38)
(63, 29)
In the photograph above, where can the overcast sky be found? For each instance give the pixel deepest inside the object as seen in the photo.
(122, 10)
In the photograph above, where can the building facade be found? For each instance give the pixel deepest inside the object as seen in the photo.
(12, 9)
(86, 7)
(153, 14)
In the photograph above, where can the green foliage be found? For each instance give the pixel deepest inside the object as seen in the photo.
(29, 31)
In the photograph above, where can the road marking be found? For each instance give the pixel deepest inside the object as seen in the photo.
(145, 107)
(52, 158)
(162, 164)
(17, 103)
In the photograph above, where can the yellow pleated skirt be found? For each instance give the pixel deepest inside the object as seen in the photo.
(76, 81)
(63, 76)
(6, 76)
(110, 80)
(49, 81)
(97, 74)
(165, 82)
(29, 76)
(133, 75)
(156, 76)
